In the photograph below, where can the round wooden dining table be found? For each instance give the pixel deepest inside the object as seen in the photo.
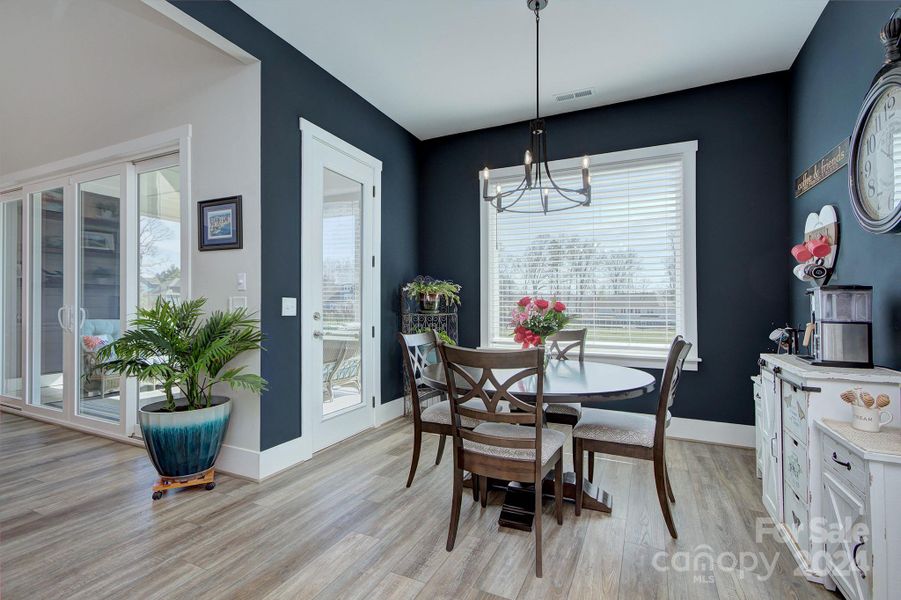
(565, 381)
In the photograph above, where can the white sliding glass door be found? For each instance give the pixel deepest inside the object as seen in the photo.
(98, 307)
(12, 297)
(160, 256)
(50, 310)
(79, 255)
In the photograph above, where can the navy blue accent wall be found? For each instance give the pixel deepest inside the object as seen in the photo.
(742, 217)
(829, 80)
(294, 86)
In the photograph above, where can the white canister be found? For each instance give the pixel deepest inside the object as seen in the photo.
(870, 419)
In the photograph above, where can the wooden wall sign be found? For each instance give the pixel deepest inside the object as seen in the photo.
(834, 160)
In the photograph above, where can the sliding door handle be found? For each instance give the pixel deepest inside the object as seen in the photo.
(59, 317)
(81, 317)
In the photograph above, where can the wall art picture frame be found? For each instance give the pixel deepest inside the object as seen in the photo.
(220, 224)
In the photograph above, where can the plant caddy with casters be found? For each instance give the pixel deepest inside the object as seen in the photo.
(170, 345)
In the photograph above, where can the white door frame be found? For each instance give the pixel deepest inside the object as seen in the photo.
(311, 378)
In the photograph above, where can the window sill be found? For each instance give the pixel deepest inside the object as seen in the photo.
(636, 361)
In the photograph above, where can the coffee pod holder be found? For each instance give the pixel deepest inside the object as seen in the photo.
(819, 226)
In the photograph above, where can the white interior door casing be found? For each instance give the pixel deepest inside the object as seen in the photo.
(321, 152)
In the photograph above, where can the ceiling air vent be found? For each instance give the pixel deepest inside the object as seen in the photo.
(574, 95)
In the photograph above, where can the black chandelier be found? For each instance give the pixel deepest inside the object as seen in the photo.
(536, 161)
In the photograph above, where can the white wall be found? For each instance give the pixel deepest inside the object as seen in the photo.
(76, 76)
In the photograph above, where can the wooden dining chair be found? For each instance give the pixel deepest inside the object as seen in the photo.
(418, 351)
(510, 445)
(635, 435)
(565, 345)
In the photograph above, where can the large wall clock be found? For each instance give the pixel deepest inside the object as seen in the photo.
(874, 173)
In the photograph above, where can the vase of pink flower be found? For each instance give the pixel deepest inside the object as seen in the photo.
(534, 319)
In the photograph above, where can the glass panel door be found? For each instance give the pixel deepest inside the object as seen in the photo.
(98, 295)
(159, 246)
(338, 295)
(342, 225)
(11, 299)
(50, 314)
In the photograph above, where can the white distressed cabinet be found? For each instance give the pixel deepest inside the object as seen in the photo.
(790, 397)
(862, 523)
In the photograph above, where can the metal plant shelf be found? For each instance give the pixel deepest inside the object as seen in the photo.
(412, 320)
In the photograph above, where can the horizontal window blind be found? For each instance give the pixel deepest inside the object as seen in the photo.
(616, 264)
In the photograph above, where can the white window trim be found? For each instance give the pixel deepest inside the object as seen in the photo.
(688, 150)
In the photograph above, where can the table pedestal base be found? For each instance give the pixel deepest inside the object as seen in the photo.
(518, 510)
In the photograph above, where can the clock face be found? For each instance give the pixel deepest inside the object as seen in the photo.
(879, 161)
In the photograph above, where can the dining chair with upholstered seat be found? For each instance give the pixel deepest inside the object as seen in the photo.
(568, 344)
(634, 435)
(511, 444)
(418, 351)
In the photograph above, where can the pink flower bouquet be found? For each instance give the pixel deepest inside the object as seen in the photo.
(533, 319)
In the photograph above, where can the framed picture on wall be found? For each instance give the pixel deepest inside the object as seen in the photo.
(219, 224)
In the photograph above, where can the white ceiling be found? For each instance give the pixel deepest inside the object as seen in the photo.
(446, 66)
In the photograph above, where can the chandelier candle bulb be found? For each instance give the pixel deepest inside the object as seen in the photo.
(586, 162)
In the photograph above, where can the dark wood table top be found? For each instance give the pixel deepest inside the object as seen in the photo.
(567, 381)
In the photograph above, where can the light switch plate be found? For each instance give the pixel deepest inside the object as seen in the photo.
(289, 307)
(237, 302)
(242, 282)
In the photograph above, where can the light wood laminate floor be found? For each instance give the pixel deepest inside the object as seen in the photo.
(77, 521)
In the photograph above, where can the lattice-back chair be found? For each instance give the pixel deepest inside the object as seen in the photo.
(418, 351)
(635, 435)
(509, 445)
(568, 344)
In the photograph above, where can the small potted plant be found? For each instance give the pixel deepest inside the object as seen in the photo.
(430, 291)
(169, 344)
(534, 319)
(443, 336)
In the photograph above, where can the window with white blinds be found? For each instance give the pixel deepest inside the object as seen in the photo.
(624, 265)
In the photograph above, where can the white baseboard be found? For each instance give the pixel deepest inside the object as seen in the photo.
(262, 465)
(389, 411)
(240, 462)
(284, 456)
(713, 432)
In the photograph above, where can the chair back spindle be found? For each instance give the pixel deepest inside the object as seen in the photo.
(568, 340)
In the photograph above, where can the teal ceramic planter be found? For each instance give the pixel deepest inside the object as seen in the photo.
(184, 442)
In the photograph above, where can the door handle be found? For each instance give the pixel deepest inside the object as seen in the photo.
(318, 334)
(82, 315)
(59, 317)
(854, 558)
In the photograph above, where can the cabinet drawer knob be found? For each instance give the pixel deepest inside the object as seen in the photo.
(835, 459)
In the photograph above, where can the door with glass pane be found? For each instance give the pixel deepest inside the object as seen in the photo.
(337, 296)
(97, 315)
(12, 298)
(50, 310)
(159, 231)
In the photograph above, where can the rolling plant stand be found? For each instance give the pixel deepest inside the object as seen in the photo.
(206, 479)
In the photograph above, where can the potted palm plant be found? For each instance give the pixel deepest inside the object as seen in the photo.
(168, 343)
